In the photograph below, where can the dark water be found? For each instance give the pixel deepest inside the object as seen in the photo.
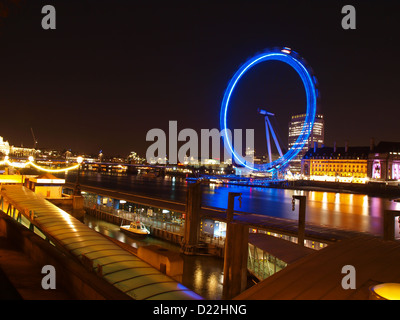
(340, 210)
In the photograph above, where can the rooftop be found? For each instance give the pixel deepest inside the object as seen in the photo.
(339, 153)
(387, 146)
(318, 276)
(284, 250)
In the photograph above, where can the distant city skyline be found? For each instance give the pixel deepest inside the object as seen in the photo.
(109, 73)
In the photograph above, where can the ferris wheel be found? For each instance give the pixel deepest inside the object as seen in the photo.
(291, 58)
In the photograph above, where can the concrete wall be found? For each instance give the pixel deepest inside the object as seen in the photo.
(168, 262)
(49, 191)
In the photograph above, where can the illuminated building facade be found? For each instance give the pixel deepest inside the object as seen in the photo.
(6, 149)
(4, 146)
(384, 161)
(317, 136)
(47, 185)
(22, 152)
(348, 164)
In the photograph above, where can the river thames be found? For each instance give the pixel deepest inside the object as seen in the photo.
(351, 211)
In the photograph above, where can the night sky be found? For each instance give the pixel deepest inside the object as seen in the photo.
(113, 70)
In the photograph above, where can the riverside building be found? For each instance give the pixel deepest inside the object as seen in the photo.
(384, 161)
(317, 136)
(345, 164)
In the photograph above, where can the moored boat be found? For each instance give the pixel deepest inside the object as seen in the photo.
(135, 228)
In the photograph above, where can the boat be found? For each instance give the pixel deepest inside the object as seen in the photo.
(150, 174)
(135, 228)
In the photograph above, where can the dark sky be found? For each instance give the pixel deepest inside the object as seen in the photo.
(113, 70)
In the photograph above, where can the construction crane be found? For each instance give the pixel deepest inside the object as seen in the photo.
(34, 139)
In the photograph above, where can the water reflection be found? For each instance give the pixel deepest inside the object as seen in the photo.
(340, 210)
(357, 212)
(204, 275)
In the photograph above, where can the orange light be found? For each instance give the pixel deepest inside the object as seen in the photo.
(386, 291)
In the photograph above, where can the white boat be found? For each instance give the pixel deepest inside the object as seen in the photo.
(136, 228)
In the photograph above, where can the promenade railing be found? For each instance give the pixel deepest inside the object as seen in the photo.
(128, 216)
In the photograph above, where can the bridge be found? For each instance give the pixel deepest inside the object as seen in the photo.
(88, 164)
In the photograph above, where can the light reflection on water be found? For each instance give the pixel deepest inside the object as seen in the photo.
(340, 210)
(357, 212)
(204, 275)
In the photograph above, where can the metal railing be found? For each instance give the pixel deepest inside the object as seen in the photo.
(215, 240)
(169, 226)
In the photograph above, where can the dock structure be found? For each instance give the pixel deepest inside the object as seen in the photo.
(238, 237)
(139, 199)
(282, 226)
(319, 275)
(309, 274)
(287, 251)
(125, 271)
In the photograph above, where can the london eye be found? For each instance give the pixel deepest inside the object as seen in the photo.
(309, 81)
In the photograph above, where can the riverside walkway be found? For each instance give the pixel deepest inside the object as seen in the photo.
(122, 269)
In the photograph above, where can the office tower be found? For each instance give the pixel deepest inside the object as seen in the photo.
(317, 135)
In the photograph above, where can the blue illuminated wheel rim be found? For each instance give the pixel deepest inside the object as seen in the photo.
(310, 85)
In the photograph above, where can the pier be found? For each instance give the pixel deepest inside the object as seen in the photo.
(279, 246)
(281, 226)
(239, 260)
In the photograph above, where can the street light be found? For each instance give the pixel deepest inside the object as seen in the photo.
(77, 190)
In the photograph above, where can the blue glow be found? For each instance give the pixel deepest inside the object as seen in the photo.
(309, 82)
